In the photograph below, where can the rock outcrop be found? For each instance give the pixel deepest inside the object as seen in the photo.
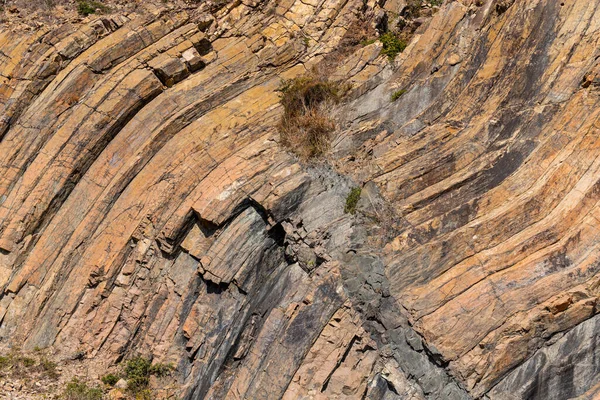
(147, 208)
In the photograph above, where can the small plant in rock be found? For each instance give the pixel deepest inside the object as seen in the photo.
(5, 361)
(392, 45)
(110, 379)
(352, 200)
(77, 390)
(27, 362)
(161, 369)
(85, 7)
(138, 371)
(367, 42)
(397, 94)
(307, 125)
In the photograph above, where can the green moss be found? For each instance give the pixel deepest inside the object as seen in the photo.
(392, 45)
(397, 94)
(352, 200)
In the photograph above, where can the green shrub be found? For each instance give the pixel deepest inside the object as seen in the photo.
(110, 379)
(161, 369)
(77, 390)
(352, 200)
(306, 124)
(87, 7)
(397, 94)
(138, 371)
(392, 45)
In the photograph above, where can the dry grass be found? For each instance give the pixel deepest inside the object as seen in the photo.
(307, 135)
(307, 124)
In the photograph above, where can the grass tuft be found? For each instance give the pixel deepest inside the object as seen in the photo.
(397, 94)
(306, 125)
(77, 390)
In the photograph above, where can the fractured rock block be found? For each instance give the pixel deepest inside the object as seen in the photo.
(193, 60)
(170, 70)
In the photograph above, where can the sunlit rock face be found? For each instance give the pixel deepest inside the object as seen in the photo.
(148, 208)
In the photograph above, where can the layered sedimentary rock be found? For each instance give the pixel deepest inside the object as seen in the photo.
(146, 206)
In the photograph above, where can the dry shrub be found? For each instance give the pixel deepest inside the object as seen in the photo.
(307, 125)
(307, 135)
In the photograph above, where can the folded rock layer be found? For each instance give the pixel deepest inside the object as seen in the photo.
(147, 207)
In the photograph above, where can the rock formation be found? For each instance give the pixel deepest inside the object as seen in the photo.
(147, 208)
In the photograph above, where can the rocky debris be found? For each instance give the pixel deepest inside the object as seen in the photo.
(146, 207)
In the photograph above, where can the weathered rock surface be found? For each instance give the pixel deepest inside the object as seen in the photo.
(147, 208)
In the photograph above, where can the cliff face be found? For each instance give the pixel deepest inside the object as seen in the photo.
(146, 206)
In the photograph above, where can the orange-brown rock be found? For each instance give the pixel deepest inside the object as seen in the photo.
(147, 208)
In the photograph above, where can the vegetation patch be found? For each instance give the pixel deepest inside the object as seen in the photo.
(110, 379)
(392, 45)
(49, 368)
(87, 7)
(77, 390)
(352, 200)
(397, 94)
(307, 125)
(366, 42)
(17, 365)
(138, 371)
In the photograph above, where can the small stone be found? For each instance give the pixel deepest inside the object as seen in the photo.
(116, 394)
(121, 384)
(193, 60)
(453, 59)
